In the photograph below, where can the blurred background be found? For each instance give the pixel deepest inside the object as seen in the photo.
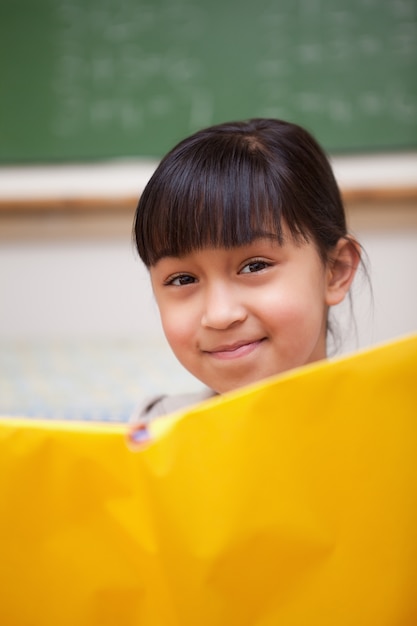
(94, 92)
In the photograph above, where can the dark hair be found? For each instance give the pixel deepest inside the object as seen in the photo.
(227, 184)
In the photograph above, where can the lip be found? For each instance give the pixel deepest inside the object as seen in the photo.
(236, 350)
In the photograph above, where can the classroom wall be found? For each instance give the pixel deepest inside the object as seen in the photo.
(76, 282)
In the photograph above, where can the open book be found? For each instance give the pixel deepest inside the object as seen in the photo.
(292, 502)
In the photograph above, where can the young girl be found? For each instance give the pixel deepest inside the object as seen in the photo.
(243, 231)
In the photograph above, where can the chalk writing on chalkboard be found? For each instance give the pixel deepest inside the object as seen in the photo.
(102, 78)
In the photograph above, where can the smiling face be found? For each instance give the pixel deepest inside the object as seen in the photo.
(226, 226)
(235, 316)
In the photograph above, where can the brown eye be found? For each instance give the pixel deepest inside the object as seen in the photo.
(254, 266)
(182, 279)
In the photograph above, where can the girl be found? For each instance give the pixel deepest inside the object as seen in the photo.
(243, 231)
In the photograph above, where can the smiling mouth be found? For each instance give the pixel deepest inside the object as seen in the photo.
(234, 351)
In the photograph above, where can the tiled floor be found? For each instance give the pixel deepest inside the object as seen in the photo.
(87, 380)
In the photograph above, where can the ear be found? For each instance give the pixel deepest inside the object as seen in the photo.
(343, 263)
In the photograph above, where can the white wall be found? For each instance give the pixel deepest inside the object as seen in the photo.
(385, 306)
(98, 288)
(81, 288)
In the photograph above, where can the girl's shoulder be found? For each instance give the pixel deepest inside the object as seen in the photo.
(157, 406)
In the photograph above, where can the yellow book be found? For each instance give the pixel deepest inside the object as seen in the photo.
(292, 502)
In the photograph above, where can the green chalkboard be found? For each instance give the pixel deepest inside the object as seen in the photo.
(96, 79)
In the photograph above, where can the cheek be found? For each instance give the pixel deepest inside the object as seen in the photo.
(293, 308)
(177, 326)
(281, 305)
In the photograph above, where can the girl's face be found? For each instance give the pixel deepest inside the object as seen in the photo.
(236, 316)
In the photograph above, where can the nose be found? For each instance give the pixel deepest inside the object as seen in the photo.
(222, 308)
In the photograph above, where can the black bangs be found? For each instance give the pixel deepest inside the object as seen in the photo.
(229, 184)
(223, 193)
